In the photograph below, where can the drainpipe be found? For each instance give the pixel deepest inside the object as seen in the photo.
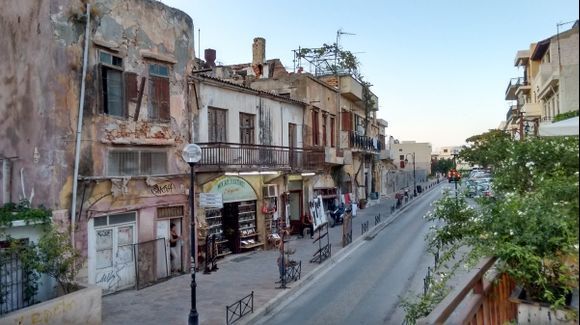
(80, 127)
(6, 178)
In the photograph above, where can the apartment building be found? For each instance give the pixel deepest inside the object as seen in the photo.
(548, 85)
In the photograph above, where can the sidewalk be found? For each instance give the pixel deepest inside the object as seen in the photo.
(169, 302)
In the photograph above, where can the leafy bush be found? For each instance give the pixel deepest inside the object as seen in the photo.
(532, 226)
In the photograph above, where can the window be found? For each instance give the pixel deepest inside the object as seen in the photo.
(216, 119)
(332, 127)
(111, 69)
(137, 162)
(401, 157)
(247, 128)
(159, 92)
(314, 128)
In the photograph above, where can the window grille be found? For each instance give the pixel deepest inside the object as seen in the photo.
(170, 212)
(135, 163)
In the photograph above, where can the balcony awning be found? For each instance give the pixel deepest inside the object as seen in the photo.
(567, 127)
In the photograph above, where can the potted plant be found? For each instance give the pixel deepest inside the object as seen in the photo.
(532, 225)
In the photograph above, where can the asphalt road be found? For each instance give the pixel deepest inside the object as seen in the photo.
(367, 286)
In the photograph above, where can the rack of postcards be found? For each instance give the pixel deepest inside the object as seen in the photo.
(271, 217)
(247, 225)
(213, 218)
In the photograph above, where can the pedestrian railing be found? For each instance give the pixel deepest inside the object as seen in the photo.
(240, 308)
(364, 227)
(427, 281)
(324, 251)
(293, 271)
(377, 219)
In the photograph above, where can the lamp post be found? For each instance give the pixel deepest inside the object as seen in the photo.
(192, 154)
(414, 176)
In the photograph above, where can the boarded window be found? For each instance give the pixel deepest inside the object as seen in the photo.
(247, 128)
(131, 91)
(137, 162)
(216, 119)
(346, 121)
(159, 108)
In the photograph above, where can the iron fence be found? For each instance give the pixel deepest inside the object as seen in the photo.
(18, 284)
(240, 308)
(152, 266)
(364, 227)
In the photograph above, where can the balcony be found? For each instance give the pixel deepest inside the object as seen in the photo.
(513, 86)
(511, 113)
(351, 88)
(331, 156)
(363, 143)
(532, 109)
(221, 156)
(547, 76)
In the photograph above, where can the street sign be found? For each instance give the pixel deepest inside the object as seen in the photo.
(211, 200)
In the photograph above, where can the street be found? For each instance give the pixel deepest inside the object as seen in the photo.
(366, 287)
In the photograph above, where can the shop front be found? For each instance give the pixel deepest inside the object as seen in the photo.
(235, 226)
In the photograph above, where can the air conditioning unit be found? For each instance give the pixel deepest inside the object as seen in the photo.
(270, 190)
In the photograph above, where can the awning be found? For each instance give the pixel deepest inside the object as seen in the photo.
(563, 128)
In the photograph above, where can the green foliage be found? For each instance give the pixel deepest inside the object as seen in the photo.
(532, 226)
(345, 59)
(442, 166)
(564, 116)
(23, 211)
(485, 149)
(58, 259)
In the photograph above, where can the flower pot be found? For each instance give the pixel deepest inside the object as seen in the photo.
(532, 312)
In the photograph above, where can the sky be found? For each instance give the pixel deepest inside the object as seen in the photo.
(439, 68)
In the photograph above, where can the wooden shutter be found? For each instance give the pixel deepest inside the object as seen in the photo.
(131, 92)
(160, 98)
(346, 121)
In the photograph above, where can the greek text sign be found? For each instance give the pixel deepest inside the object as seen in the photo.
(234, 189)
(210, 200)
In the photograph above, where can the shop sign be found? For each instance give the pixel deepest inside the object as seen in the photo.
(211, 200)
(234, 189)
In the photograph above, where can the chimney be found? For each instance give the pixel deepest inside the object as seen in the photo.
(209, 56)
(259, 51)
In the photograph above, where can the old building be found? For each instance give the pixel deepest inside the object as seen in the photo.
(95, 123)
(548, 85)
(253, 157)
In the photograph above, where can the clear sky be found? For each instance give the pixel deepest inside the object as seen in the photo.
(439, 68)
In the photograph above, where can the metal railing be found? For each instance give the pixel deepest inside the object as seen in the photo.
(377, 219)
(236, 156)
(476, 300)
(17, 285)
(365, 143)
(151, 262)
(240, 308)
(364, 227)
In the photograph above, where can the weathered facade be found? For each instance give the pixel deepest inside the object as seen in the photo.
(135, 121)
(548, 85)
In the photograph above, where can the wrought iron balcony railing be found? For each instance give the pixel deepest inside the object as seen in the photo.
(221, 156)
(365, 143)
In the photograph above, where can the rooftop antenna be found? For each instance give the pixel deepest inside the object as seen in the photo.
(339, 32)
(199, 43)
(558, 39)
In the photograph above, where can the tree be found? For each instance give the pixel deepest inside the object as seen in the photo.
(442, 166)
(486, 149)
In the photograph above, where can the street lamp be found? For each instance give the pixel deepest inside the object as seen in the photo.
(414, 176)
(192, 154)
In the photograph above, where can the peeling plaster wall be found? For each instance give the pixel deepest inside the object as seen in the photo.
(38, 100)
(272, 116)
